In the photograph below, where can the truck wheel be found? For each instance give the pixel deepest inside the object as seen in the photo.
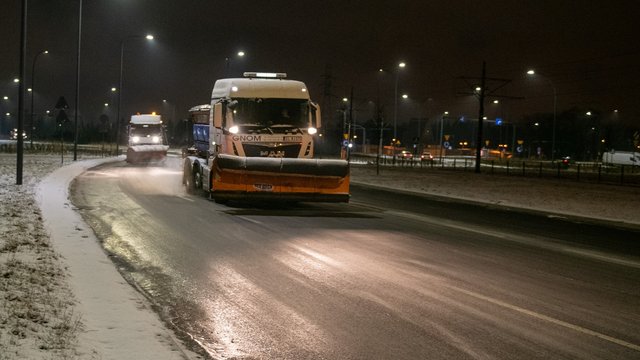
(197, 178)
(188, 181)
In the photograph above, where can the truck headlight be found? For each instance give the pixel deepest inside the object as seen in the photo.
(136, 139)
(155, 139)
(234, 129)
(312, 130)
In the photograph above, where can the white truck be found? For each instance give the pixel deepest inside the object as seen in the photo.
(621, 158)
(255, 141)
(147, 140)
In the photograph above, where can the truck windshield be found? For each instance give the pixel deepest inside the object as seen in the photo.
(144, 130)
(270, 112)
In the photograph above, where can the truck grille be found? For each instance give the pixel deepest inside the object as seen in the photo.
(287, 151)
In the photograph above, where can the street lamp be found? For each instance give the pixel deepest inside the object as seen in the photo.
(165, 103)
(555, 106)
(173, 107)
(401, 65)
(227, 60)
(446, 113)
(33, 90)
(148, 37)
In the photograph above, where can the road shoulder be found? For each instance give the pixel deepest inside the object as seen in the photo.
(118, 321)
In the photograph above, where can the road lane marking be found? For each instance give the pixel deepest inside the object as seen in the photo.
(537, 241)
(547, 318)
(250, 220)
(185, 198)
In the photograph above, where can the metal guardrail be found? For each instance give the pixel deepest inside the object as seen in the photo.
(592, 172)
(102, 150)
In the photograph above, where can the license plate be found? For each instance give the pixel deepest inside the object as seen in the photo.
(263, 187)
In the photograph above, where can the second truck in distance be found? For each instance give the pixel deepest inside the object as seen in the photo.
(147, 140)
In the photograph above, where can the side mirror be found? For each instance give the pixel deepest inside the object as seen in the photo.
(217, 115)
(314, 115)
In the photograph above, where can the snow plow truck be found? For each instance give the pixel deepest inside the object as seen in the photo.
(147, 141)
(255, 141)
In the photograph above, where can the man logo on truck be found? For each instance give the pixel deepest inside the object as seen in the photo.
(276, 154)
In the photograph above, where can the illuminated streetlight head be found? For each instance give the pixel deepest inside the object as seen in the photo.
(5, 97)
(29, 89)
(402, 64)
(446, 113)
(16, 80)
(149, 37)
(405, 96)
(113, 89)
(531, 72)
(496, 101)
(345, 99)
(588, 113)
(241, 53)
(478, 88)
(106, 104)
(46, 51)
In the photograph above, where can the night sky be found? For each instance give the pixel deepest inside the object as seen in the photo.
(588, 49)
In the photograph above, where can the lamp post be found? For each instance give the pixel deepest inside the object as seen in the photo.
(446, 113)
(173, 108)
(401, 65)
(166, 103)
(364, 136)
(227, 60)
(33, 90)
(555, 106)
(148, 37)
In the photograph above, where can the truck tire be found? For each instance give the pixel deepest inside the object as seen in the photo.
(188, 179)
(197, 179)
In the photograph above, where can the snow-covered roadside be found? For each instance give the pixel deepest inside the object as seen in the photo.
(63, 297)
(610, 203)
(38, 318)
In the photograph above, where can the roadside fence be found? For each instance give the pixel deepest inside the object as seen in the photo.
(93, 150)
(594, 172)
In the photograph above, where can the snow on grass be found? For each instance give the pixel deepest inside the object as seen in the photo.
(37, 308)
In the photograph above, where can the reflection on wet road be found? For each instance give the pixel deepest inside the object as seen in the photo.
(358, 280)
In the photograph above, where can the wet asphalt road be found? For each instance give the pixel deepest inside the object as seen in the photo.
(387, 276)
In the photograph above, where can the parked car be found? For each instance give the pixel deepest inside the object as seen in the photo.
(13, 134)
(426, 156)
(565, 161)
(405, 154)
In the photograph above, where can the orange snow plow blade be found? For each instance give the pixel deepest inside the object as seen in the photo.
(287, 179)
